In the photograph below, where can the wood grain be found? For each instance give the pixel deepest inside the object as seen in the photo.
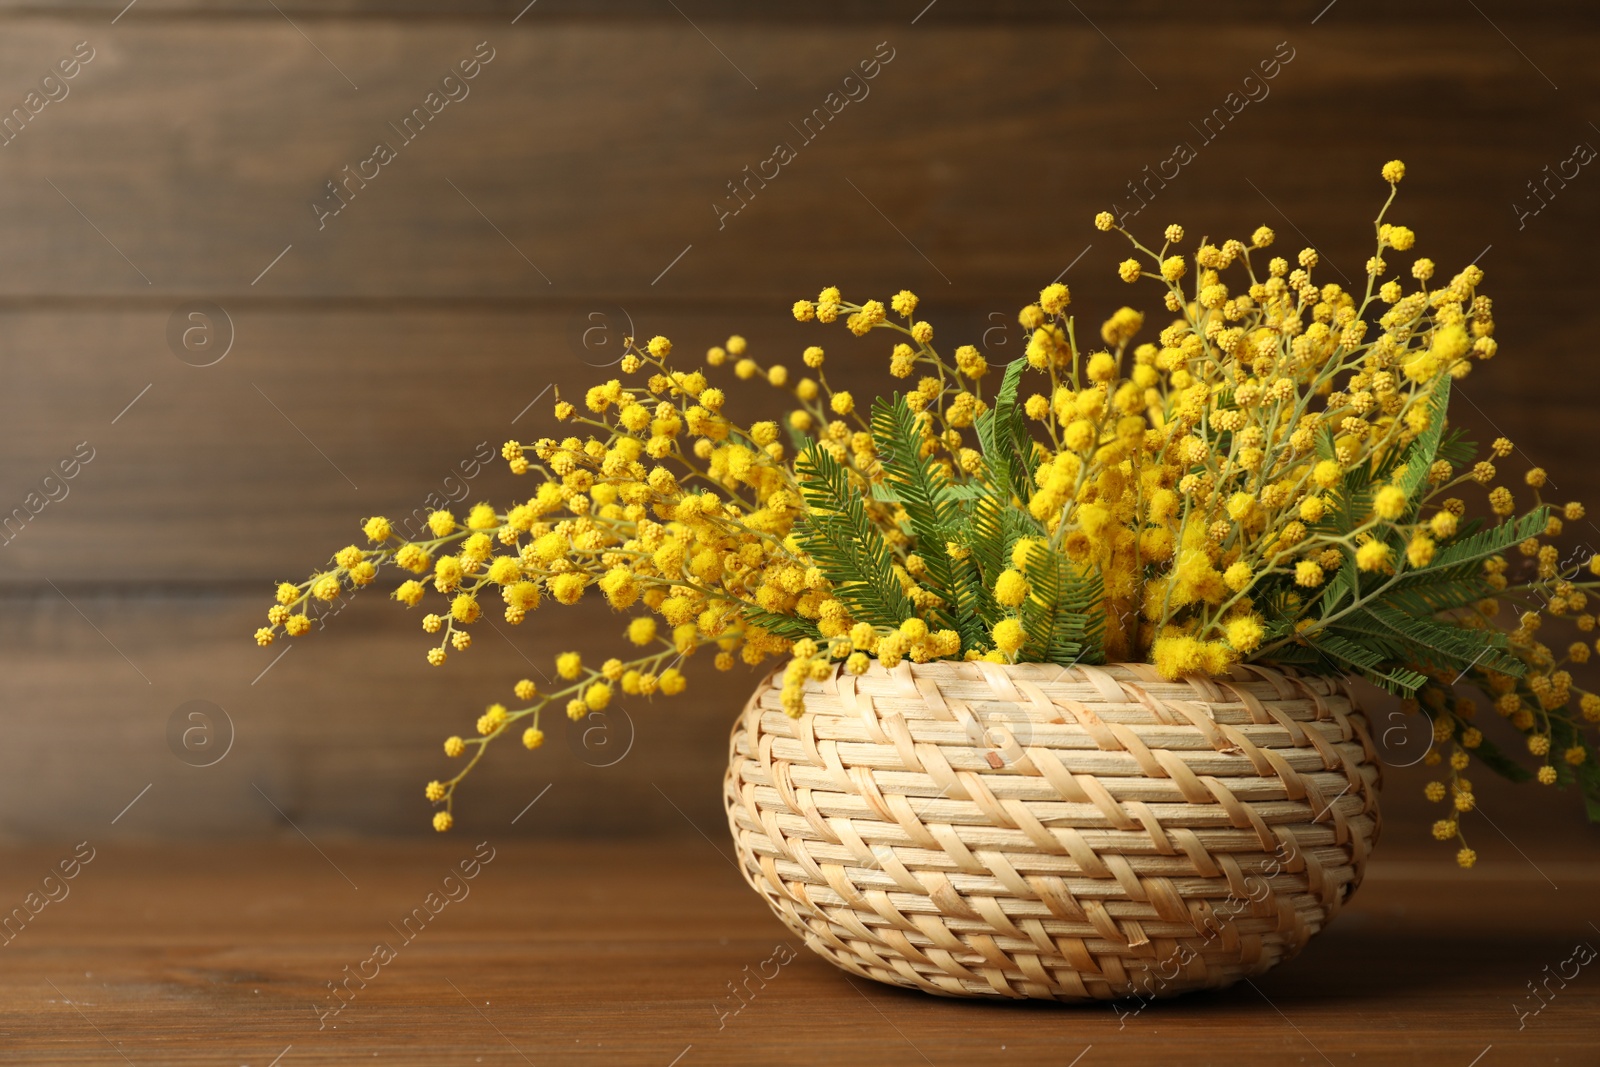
(598, 150)
(627, 953)
(339, 736)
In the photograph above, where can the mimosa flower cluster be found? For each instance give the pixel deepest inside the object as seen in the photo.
(1268, 476)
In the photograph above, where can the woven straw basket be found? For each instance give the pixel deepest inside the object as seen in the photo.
(1061, 833)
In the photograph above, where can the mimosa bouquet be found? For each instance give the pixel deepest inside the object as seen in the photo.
(1271, 478)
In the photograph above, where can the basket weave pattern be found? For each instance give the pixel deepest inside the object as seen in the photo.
(1063, 833)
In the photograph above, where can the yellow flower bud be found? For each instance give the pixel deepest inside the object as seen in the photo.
(1010, 589)
(1390, 503)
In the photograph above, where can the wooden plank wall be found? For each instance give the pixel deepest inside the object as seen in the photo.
(584, 170)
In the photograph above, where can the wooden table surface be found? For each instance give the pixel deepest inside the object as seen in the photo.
(625, 952)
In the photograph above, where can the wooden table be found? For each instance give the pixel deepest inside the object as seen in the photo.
(627, 952)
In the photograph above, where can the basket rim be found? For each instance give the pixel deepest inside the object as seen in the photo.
(1142, 672)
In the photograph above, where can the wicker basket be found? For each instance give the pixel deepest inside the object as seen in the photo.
(1077, 833)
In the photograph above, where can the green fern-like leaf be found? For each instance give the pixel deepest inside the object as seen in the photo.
(934, 513)
(1370, 662)
(1422, 639)
(1420, 456)
(848, 548)
(1456, 449)
(1008, 449)
(1429, 599)
(1478, 547)
(1063, 617)
(1341, 587)
(791, 627)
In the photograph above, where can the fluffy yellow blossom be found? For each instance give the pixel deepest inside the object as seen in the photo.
(1011, 588)
(1178, 655)
(1245, 633)
(642, 630)
(1373, 556)
(1419, 552)
(1307, 573)
(1008, 636)
(1390, 503)
(1080, 435)
(1054, 298)
(568, 587)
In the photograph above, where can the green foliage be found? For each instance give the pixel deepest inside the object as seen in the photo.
(1473, 549)
(1456, 449)
(1063, 616)
(1423, 451)
(1386, 628)
(1376, 664)
(934, 513)
(845, 544)
(981, 519)
(1008, 449)
(1423, 641)
(790, 627)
